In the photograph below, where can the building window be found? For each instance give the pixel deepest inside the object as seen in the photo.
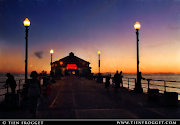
(71, 66)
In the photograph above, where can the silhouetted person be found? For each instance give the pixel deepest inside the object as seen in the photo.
(11, 81)
(117, 81)
(107, 82)
(120, 78)
(34, 91)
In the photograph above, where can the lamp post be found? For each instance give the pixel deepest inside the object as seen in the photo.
(138, 86)
(51, 51)
(99, 60)
(26, 24)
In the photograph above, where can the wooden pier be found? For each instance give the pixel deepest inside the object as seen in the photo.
(75, 97)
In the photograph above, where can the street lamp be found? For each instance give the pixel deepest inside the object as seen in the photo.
(26, 24)
(138, 86)
(51, 51)
(99, 60)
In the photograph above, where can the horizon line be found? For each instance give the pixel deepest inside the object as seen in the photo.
(108, 72)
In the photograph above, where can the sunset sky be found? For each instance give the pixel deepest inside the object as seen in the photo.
(86, 26)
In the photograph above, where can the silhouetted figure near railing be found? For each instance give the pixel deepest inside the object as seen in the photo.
(107, 83)
(34, 92)
(120, 78)
(11, 81)
(117, 81)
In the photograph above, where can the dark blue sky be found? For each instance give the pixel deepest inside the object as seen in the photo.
(86, 26)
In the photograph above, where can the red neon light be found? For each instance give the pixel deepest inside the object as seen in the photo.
(71, 66)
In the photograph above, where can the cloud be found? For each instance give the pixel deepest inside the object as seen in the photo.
(39, 54)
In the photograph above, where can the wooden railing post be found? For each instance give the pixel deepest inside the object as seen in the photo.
(165, 86)
(148, 83)
(19, 84)
(7, 87)
(128, 83)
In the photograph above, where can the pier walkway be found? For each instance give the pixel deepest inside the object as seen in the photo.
(75, 97)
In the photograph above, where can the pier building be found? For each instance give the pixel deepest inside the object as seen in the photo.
(71, 65)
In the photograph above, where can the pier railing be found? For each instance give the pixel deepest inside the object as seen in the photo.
(19, 86)
(162, 85)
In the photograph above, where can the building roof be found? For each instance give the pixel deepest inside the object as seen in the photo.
(71, 59)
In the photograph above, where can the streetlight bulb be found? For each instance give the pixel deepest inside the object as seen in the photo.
(26, 22)
(61, 63)
(99, 52)
(137, 25)
(51, 51)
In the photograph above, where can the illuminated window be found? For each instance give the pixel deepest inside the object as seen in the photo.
(71, 66)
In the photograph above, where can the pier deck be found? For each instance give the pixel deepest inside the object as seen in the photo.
(79, 98)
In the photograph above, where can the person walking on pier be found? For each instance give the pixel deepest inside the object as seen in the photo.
(117, 81)
(34, 92)
(121, 82)
(107, 82)
(11, 81)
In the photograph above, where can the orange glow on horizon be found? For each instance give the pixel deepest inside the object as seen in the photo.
(151, 61)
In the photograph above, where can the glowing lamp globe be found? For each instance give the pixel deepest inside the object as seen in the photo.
(26, 22)
(51, 51)
(99, 52)
(137, 25)
(61, 63)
